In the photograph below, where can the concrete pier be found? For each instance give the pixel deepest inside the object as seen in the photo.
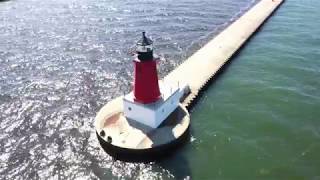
(197, 70)
(123, 139)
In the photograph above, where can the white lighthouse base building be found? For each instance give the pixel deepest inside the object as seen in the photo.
(153, 114)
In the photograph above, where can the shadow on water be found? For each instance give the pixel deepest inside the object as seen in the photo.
(177, 164)
(173, 164)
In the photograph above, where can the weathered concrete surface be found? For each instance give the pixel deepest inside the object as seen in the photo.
(203, 65)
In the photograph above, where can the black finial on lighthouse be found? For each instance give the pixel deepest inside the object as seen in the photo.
(145, 41)
(145, 48)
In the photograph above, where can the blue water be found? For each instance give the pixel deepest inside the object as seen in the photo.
(260, 119)
(61, 61)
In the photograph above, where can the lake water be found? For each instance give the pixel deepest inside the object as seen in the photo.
(61, 61)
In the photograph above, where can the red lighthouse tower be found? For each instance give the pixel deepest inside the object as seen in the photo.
(151, 102)
(146, 87)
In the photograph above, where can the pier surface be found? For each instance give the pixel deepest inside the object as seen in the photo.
(120, 136)
(197, 70)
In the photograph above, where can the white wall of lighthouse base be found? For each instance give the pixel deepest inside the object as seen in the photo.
(152, 114)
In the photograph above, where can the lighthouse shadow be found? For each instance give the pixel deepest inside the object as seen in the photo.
(176, 164)
(168, 152)
(173, 157)
(166, 144)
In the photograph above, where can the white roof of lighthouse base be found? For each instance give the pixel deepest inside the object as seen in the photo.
(166, 92)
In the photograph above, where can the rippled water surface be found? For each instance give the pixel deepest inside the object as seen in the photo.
(60, 61)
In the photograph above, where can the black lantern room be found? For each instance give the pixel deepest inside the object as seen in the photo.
(144, 48)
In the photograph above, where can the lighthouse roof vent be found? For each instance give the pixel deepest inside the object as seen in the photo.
(144, 41)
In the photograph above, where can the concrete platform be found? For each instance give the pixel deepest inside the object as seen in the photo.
(126, 139)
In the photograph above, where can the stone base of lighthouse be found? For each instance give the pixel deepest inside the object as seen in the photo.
(127, 139)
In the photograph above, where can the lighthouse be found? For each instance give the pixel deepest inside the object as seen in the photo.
(151, 100)
(161, 106)
(149, 121)
(146, 87)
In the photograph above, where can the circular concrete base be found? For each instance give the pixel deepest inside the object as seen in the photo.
(129, 140)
